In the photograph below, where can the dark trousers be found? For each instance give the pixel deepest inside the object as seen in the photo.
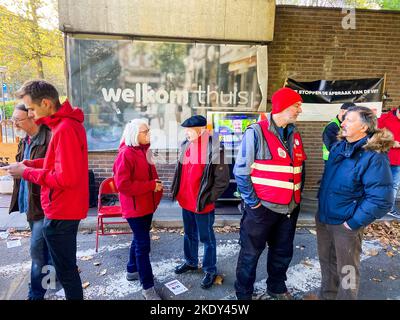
(257, 228)
(339, 251)
(40, 259)
(196, 225)
(139, 256)
(60, 237)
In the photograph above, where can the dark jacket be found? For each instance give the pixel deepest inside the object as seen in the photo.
(215, 179)
(329, 136)
(38, 150)
(357, 183)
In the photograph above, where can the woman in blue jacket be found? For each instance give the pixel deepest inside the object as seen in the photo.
(355, 190)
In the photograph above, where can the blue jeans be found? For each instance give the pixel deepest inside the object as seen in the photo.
(258, 227)
(396, 183)
(60, 237)
(139, 256)
(195, 224)
(40, 258)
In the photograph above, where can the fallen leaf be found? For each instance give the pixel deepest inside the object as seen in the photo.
(307, 263)
(218, 280)
(85, 285)
(372, 252)
(103, 272)
(11, 230)
(96, 264)
(376, 280)
(155, 237)
(312, 231)
(390, 254)
(86, 258)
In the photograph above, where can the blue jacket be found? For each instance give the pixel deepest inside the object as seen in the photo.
(356, 186)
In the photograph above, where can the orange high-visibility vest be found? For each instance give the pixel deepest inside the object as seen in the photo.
(278, 179)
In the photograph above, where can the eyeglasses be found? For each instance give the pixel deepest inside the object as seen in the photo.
(145, 131)
(17, 121)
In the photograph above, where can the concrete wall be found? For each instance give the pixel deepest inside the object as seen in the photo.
(225, 20)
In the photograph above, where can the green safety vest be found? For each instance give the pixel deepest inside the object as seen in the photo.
(325, 151)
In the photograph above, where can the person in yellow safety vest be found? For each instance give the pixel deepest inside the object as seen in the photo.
(329, 135)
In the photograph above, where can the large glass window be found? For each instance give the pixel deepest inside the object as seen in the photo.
(115, 81)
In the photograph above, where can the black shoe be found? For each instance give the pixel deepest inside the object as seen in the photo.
(182, 268)
(208, 280)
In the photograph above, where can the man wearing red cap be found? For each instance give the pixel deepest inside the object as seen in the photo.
(269, 173)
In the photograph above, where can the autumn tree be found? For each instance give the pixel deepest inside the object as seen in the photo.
(28, 49)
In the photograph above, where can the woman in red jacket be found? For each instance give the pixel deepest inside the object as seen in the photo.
(140, 193)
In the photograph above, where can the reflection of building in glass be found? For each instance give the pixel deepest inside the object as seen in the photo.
(115, 81)
(240, 62)
(139, 67)
(226, 74)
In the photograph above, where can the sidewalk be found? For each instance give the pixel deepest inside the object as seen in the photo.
(168, 215)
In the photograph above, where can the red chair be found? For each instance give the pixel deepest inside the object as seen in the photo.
(103, 212)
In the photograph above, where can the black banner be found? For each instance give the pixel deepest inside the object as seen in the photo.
(339, 91)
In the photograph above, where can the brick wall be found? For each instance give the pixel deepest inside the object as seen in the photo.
(310, 44)
(102, 162)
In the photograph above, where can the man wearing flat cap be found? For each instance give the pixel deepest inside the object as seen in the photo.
(269, 174)
(201, 176)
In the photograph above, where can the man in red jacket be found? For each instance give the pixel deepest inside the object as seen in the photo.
(62, 175)
(201, 176)
(391, 121)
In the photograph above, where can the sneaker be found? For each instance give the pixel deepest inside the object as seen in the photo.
(394, 214)
(281, 296)
(132, 276)
(150, 294)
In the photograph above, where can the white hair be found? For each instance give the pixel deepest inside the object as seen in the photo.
(131, 132)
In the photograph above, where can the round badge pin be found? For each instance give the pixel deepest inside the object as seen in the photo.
(282, 153)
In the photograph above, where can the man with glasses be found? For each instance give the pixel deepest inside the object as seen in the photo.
(33, 144)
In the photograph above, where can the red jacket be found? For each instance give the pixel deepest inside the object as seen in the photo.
(135, 178)
(63, 173)
(194, 163)
(390, 121)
